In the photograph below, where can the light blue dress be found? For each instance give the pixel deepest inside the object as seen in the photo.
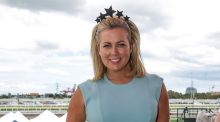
(135, 101)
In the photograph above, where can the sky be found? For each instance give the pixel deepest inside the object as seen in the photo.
(46, 43)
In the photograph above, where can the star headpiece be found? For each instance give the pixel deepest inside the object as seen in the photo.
(110, 12)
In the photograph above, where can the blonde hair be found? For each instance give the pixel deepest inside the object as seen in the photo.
(135, 62)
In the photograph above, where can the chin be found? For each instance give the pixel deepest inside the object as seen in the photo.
(115, 69)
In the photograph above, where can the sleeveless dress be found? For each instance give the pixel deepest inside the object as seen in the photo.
(135, 101)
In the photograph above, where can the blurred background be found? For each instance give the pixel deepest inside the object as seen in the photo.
(45, 46)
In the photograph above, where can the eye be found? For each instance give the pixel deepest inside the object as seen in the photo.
(106, 45)
(121, 45)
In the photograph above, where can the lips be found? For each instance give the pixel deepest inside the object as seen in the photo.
(115, 60)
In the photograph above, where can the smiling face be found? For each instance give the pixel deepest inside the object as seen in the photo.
(114, 49)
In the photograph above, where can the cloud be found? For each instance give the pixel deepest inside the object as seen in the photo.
(149, 20)
(32, 67)
(214, 40)
(46, 45)
(148, 16)
(203, 73)
(69, 53)
(67, 6)
(187, 58)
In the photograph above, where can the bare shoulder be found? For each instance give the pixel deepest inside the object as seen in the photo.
(76, 109)
(163, 107)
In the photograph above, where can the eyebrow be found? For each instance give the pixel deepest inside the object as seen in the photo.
(120, 41)
(116, 42)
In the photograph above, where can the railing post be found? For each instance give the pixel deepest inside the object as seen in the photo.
(177, 115)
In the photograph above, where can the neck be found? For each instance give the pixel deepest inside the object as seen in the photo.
(120, 77)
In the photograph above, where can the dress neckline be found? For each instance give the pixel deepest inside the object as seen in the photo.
(118, 84)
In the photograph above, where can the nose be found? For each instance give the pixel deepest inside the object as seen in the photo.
(114, 50)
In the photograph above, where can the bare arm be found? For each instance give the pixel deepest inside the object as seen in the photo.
(76, 109)
(217, 119)
(163, 107)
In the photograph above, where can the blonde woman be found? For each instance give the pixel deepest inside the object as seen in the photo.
(121, 90)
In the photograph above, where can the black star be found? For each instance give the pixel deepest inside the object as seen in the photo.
(102, 16)
(126, 18)
(109, 11)
(119, 14)
(97, 20)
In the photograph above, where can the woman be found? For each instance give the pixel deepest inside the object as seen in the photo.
(121, 90)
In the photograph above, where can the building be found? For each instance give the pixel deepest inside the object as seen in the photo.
(191, 90)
